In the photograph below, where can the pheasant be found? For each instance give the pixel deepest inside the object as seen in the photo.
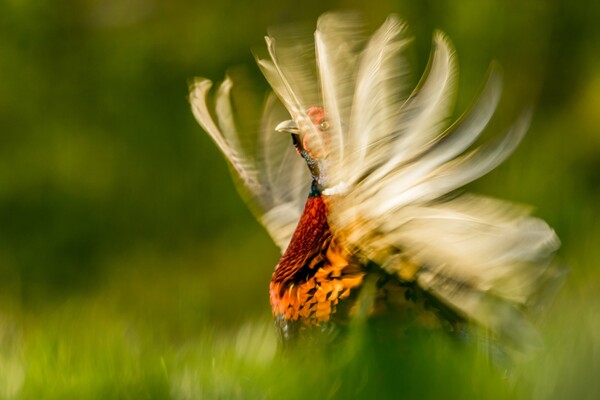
(383, 216)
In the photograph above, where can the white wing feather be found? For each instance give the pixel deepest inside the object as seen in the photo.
(338, 41)
(272, 179)
(292, 74)
(382, 79)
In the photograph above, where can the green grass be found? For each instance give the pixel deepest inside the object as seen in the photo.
(150, 335)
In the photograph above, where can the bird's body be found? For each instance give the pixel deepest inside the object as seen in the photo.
(315, 275)
(317, 283)
(382, 218)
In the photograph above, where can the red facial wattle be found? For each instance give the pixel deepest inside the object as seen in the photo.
(318, 118)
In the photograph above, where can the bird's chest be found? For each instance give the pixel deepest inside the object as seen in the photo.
(316, 280)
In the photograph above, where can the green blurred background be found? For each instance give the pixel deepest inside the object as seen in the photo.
(129, 266)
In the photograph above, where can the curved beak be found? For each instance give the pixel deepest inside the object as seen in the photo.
(288, 126)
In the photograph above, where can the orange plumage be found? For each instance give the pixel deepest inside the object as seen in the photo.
(314, 274)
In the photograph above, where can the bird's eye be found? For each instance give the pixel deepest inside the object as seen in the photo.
(323, 125)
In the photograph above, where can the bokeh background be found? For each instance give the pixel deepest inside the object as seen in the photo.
(130, 267)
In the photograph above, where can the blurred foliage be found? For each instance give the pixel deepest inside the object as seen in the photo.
(130, 268)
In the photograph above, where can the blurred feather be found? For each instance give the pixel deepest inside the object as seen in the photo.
(272, 179)
(381, 82)
(338, 40)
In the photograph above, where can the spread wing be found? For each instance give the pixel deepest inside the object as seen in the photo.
(393, 157)
(269, 175)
